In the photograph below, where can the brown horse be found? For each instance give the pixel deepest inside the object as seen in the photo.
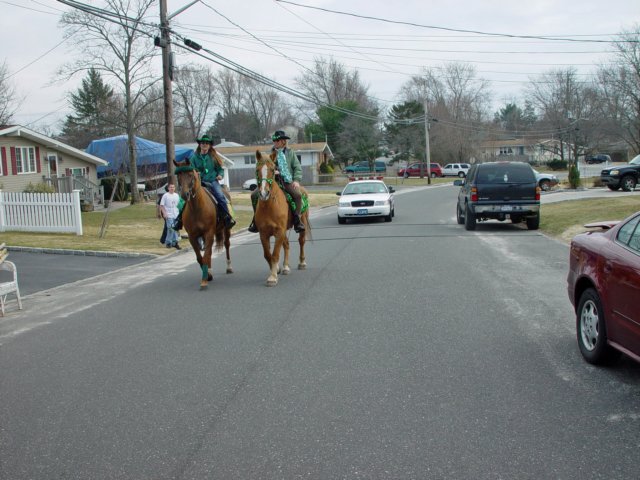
(200, 219)
(274, 217)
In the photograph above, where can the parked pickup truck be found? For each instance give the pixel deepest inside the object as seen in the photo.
(499, 191)
(622, 176)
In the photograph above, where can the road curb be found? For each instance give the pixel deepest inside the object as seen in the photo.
(87, 253)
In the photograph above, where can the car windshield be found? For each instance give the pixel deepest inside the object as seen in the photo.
(636, 160)
(363, 188)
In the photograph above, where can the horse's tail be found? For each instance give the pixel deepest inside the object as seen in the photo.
(307, 224)
(219, 243)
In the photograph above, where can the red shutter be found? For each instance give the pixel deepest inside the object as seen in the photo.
(67, 172)
(38, 168)
(14, 164)
(4, 162)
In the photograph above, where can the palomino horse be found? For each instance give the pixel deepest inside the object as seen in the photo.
(200, 219)
(274, 217)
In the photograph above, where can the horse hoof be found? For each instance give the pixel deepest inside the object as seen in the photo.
(203, 285)
(302, 266)
(286, 271)
(210, 277)
(272, 282)
(229, 270)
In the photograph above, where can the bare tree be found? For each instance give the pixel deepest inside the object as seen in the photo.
(566, 107)
(458, 100)
(229, 94)
(330, 82)
(115, 42)
(8, 96)
(195, 95)
(266, 105)
(619, 88)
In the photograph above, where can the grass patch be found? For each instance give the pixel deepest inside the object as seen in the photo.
(564, 220)
(133, 228)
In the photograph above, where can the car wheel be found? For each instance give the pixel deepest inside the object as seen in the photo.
(461, 174)
(591, 330)
(459, 216)
(387, 218)
(341, 220)
(533, 223)
(628, 183)
(545, 185)
(469, 218)
(613, 187)
(393, 212)
(253, 187)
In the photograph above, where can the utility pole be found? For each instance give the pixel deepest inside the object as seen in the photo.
(164, 42)
(167, 77)
(426, 143)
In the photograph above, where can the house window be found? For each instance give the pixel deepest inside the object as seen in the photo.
(249, 159)
(26, 159)
(506, 151)
(78, 172)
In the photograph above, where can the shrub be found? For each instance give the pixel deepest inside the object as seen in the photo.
(557, 164)
(326, 168)
(574, 176)
(39, 188)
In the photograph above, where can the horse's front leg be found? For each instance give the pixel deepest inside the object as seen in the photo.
(286, 270)
(205, 265)
(272, 279)
(302, 237)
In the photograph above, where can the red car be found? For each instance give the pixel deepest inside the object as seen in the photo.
(413, 170)
(604, 288)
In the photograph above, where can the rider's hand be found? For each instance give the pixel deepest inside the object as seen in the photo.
(295, 184)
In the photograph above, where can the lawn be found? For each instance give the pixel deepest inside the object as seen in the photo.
(135, 228)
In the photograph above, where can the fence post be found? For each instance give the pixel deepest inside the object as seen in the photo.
(77, 212)
(2, 226)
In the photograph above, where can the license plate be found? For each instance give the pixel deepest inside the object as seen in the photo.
(362, 211)
(506, 208)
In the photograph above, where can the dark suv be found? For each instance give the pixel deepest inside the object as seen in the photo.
(499, 190)
(622, 176)
(598, 158)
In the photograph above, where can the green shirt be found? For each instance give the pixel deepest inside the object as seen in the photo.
(208, 168)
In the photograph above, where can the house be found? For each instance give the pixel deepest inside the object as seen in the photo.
(311, 156)
(524, 149)
(30, 157)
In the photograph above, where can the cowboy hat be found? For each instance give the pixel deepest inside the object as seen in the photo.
(279, 135)
(204, 139)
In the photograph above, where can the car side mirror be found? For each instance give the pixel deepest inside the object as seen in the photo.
(338, 193)
(458, 183)
(391, 189)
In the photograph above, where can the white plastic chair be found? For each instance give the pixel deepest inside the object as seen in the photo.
(9, 287)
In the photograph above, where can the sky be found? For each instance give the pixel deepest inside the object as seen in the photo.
(386, 42)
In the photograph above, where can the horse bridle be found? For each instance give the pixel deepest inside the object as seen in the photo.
(188, 194)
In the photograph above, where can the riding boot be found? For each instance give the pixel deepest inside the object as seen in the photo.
(252, 226)
(229, 221)
(178, 222)
(298, 226)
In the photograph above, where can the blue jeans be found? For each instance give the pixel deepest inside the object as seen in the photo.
(172, 235)
(216, 190)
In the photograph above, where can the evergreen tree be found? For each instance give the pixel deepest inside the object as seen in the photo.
(95, 112)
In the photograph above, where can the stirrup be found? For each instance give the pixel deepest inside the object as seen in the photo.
(252, 227)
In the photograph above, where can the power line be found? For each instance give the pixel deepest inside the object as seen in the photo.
(434, 27)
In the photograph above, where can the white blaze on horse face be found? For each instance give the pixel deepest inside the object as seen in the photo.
(264, 192)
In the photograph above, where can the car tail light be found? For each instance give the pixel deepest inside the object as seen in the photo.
(474, 194)
(538, 193)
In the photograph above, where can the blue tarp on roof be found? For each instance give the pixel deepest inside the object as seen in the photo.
(149, 154)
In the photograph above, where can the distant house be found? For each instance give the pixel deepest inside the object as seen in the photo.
(311, 156)
(30, 157)
(525, 150)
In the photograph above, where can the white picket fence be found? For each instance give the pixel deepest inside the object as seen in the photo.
(40, 212)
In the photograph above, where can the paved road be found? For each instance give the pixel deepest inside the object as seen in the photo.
(406, 350)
